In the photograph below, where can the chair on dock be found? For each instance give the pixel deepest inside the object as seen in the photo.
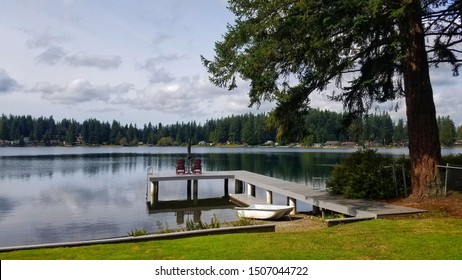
(180, 167)
(196, 167)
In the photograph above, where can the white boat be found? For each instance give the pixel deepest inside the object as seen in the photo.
(264, 211)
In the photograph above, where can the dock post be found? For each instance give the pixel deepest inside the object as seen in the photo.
(154, 192)
(269, 197)
(251, 189)
(226, 188)
(316, 210)
(195, 190)
(292, 202)
(188, 190)
(238, 186)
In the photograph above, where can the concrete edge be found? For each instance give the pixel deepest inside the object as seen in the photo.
(341, 221)
(394, 215)
(163, 236)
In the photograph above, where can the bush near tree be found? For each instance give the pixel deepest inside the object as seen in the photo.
(369, 175)
(366, 174)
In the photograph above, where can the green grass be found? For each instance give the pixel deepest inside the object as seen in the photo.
(411, 238)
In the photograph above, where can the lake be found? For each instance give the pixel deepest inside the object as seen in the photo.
(59, 194)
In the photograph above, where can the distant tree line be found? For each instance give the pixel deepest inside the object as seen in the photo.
(319, 127)
(249, 129)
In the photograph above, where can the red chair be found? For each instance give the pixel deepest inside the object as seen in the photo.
(180, 167)
(196, 168)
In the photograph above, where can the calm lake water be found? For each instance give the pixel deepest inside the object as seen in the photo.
(58, 194)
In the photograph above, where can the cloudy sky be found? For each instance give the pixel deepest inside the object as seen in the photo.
(132, 61)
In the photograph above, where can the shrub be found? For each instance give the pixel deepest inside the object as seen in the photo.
(214, 223)
(165, 141)
(137, 232)
(243, 222)
(365, 174)
(166, 228)
(452, 159)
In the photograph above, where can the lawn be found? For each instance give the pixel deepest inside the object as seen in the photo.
(421, 237)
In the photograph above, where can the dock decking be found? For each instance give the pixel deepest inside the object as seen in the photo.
(245, 180)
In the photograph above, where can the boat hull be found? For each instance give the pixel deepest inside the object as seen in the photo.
(264, 212)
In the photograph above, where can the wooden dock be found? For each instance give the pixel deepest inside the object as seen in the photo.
(246, 184)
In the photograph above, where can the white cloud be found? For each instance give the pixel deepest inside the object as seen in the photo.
(135, 59)
(159, 38)
(170, 99)
(157, 72)
(160, 75)
(191, 98)
(51, 56)
(54, 55)
(80, 90)
(7, 83)
(45, 40)
(102, 62)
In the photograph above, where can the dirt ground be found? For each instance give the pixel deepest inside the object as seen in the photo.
(450, 205)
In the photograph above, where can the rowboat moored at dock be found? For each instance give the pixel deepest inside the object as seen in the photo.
(264, 211)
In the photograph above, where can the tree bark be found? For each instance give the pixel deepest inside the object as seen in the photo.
(424, 143)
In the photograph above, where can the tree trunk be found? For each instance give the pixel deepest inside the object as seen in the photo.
(424, 143)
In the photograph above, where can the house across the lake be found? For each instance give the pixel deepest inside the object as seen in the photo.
(332, 143)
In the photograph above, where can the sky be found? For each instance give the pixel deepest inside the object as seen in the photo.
(135, 62)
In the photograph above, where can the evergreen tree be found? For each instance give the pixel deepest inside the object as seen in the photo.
(115, 134)
(447, 131)
(400, 134)
(4, 129)
(289, 49)
(459, 133)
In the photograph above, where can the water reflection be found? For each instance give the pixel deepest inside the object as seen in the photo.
(100, 194)
(189, 205)
(73, 231)
(76, 199)
(7, 205)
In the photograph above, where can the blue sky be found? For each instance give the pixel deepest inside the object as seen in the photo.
(132, 61)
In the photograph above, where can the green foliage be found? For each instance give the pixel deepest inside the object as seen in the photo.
(400, 132)
(191, 225)
(249, 128)
(332, 215)
(371, 51)
(318, 126)
(459, 133)
(214, 223)
(365, 174)
(165, 141)
(137, 232)
(452, 159)
(324, 125)
(447, 131)
(243, 222)
(290, 49)
(164, 229)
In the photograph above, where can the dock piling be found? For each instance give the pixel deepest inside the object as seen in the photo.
(292, 202)
(251, 189)
(269, 197)
(226, 188)
(188, 190)
(154, 192)
(238, 186)
(195, 189)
